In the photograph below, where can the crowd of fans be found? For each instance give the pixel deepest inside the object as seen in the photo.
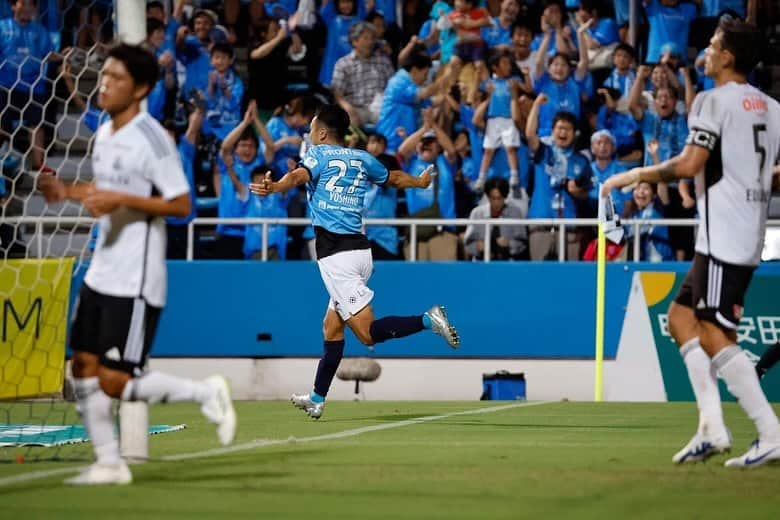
(524, 107)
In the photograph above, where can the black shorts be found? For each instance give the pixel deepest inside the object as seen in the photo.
(716, 290)
(118, 330)
(470, 52)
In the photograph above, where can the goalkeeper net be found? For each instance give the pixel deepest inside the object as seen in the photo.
(46, 118)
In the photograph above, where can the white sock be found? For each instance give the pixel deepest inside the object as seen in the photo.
(705, 386)
(98, 418)
(742, 381)
(155, 387)
(513, 176)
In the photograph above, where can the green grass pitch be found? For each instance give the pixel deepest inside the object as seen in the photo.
(551, 460)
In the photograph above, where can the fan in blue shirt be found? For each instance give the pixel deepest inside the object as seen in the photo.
(336, 180)
(605, 165)
(670, 21)
(404, 97)
(273, 205)
(654, 240)
(193, 51)
(239, 157)
(382, 202)
(338, 19)
(499, 34)
(224, 93)
(430, 146)
(623, 75)
(562, 36)
(666, 125)
(562, 87)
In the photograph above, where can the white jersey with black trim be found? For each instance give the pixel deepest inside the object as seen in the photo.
(740, 126)
(139, 159)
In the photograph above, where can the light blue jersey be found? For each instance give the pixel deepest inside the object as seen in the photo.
(500, 104)
(338, 185)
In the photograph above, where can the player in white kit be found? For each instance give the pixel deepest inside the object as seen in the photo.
(731, 150)
(138, 180)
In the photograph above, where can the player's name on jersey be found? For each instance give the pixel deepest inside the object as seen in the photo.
(344, 199)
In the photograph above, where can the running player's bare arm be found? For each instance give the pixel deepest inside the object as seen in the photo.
(686, 165)
(300, 176)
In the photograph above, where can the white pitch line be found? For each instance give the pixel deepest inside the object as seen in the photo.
(261, 443)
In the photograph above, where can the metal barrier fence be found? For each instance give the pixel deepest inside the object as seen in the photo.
(561, 224)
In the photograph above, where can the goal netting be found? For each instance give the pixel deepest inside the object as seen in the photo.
(45, 110)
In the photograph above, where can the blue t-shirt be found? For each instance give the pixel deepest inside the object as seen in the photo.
(337, 44)
(621, 12)
(500, 104)
(278, 128)
(654, 240)
(400, 108)
(553, 167)
(622, 126)
(418, 199)
(94, 117)
(561, 96)
(715, 7)
(600, 176)
(223, 114)
(381, 202)
(21, 50)
(668, 25)
(425, 31)
(670, 133)
(494, 35)
(273, 205)
(187, 154)
(338, 184)
(197, 61)
(621, 82)
(605, 32)
(229, 204)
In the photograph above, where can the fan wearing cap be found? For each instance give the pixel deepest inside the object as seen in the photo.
(430, 145)
(604, 165)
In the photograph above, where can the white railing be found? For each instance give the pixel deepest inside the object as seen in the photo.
(561, 224)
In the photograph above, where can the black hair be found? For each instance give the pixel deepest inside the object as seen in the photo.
(625, 47)
(671, 89)
(743, 41)
(417, 60)
(250, 135)
(494, 57)
(140, 63)
(152, 4)
(379, 137)
(592, 5)
(223, 47)
(258, 170)
(521, 23)
(334, 118)
(152, 25)
(565, 115)
(498, 183)
(373, 15)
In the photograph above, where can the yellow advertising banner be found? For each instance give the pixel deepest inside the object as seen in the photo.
(33, 326)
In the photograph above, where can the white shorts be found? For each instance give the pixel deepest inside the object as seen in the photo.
(345, 275)
(501, 132)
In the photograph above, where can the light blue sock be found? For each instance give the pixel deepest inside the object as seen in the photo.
(426, 321)
(316, 398)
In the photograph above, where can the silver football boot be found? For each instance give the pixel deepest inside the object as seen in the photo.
(441, 325)
(304, 402)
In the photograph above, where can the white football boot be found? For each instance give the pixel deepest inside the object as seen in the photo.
(102, 475)
(760, 453)
(304, 402)
(704, 445)
(219, 409)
